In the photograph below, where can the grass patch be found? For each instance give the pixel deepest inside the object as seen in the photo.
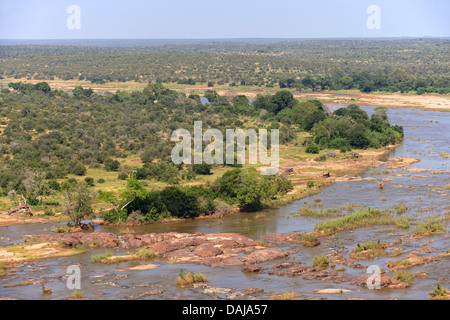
(77, 295)
(189, 278)
(409, 262)
(439, 293)
(404, 276)
(3, 272)
(361, 218)
(369, 250)
(100, 257)
(444, 155)
(146, 254)
(310, 240)
(428, 228)
(320, 261)
(108, 258)
(401, 208)
(285, 296)
(308, 212)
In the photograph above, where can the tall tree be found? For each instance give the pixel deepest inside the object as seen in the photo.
(77, 203)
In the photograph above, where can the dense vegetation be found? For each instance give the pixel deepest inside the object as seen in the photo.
(49, 134)
(419, 65)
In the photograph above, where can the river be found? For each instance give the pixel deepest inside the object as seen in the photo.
(426, 135)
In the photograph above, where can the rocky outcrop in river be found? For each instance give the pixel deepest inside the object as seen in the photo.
(206, 249)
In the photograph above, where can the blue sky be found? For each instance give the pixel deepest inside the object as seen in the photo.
(193, 19)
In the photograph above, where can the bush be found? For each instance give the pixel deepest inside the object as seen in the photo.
(161, 171)
(111, 165)
(136, 217)
(78, 169)
(141, 173)
(89, 181)
(112, 217)
(122, 175)
(54, 185)
(222, 209)
(66, 185)
(312, 149)
(439, 291)
(173, 181)
(339, 143)
(202, 169)
(310, 184)
(179, 203)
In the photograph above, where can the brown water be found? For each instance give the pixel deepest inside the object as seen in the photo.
(425, 196)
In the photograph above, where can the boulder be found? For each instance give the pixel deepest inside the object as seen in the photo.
(251, 268)
(207, 250)
(384, 281)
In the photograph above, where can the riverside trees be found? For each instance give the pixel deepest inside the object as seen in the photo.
(48, 136)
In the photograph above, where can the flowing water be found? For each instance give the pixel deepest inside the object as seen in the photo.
(426, 135)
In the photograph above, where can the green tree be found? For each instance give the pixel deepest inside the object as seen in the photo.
(133, 191)
(36, 185)
(42, 86)
(77, 203)
(252, 189)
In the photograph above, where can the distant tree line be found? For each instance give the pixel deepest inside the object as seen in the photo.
(409, 65)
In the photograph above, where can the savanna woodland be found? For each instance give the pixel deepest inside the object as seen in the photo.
(85, 152)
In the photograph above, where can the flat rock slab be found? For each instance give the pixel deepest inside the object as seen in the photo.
(141, 267)
(330, 291)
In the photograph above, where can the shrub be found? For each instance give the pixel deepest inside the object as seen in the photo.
(112, 217)
(339, 143)
(77, 295)
(141, 173)
(89, 181)
(222, 209)
(312, 149)
(78, 169)
(173, 181)
(111, 165)
(439, 291)
(179, 203)
(321, 158)
(202, 169)
(135, 217)
(122, 175)
(54, 185)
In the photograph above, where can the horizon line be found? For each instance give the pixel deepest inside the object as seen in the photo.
(227, 38)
